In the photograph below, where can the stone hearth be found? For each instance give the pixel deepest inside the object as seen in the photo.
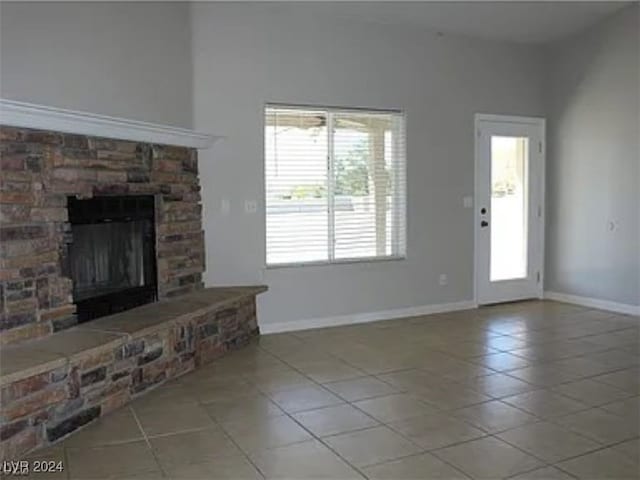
(39, 170)
(53, 386)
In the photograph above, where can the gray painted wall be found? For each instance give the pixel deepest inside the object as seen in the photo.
(594, 162)
(245, 56)
(124, 59)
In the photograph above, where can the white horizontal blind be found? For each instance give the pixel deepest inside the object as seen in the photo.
(335, 185)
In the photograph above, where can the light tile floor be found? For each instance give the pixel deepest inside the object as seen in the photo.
(533, 390)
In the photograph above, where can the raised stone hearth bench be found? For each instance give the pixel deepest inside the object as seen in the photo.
(51, 387)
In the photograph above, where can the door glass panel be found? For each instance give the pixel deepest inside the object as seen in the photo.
(509, 194)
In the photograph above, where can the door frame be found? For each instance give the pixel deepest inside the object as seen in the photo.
(540, 238)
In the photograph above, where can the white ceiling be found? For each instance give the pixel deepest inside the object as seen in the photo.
(517, 21)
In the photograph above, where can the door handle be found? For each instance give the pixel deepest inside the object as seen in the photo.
(484, 224)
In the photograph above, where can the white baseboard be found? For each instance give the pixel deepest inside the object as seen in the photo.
(355, 318)
(594, 303)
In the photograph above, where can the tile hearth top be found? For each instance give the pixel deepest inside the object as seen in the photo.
(37, 356)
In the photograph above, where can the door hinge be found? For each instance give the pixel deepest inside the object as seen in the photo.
(537, 277)
(539, 147)
(539, 211)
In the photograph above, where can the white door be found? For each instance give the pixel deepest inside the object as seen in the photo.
(509, 190)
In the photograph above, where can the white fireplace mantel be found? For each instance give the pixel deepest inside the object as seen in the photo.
(41, 117)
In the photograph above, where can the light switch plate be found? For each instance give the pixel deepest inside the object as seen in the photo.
(250, 206)
(467, 201)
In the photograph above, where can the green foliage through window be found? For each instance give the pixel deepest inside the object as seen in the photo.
(352, 171)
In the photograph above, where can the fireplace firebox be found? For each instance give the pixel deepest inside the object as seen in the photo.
(112, 255)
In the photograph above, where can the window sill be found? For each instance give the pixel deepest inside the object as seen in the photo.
(329, 263)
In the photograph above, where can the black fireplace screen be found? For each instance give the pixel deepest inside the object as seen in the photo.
(108, 257)
(112, 258)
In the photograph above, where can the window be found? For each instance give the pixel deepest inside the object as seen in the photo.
(335, 185)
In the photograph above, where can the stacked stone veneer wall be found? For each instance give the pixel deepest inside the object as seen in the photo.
(38, 171)
(46, 407)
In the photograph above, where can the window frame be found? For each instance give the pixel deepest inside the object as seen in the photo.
(401, 183)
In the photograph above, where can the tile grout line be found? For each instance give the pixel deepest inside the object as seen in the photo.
(144, 434)
(237, 445)
(538, 468)
(146, 439)
(545, 462)
(319, 439)
(418, 454)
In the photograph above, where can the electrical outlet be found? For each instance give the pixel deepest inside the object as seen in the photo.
(443, 280)
(250, 206)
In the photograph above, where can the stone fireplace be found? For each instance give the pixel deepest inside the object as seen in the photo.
(101, 263)
(55, 187)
